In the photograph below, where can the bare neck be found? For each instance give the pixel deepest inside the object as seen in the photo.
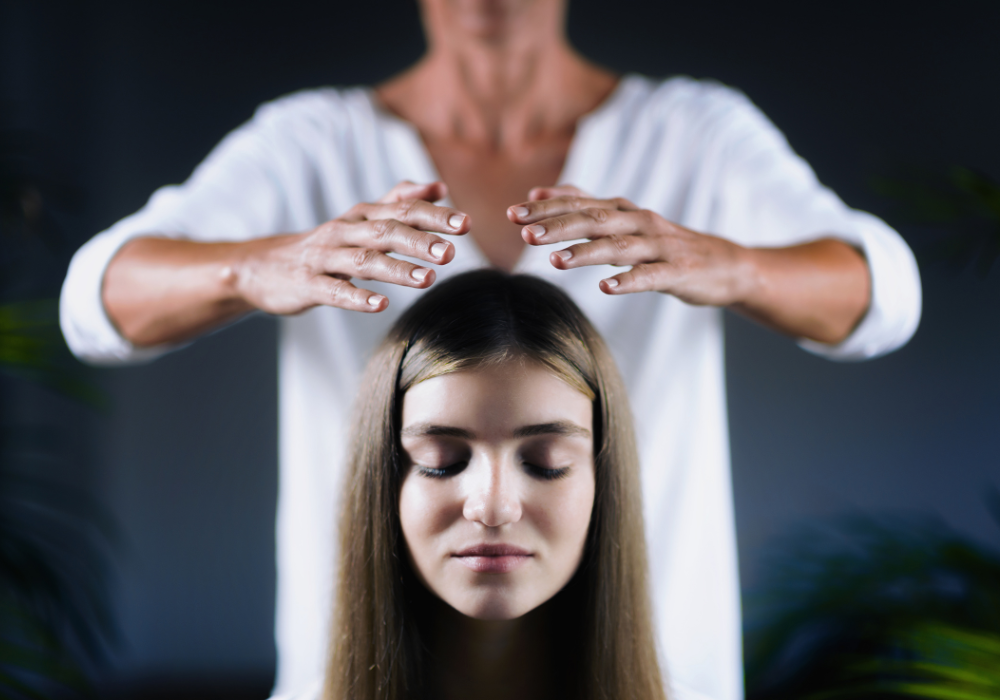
(490, 659)
(499, 95)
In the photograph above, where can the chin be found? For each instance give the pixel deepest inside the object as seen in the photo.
(496, 605)
(489, 18)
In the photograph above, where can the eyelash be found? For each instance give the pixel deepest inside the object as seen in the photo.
(441, 472)
(453, 469)
(548, 474)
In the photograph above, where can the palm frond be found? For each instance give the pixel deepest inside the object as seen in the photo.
(826, 622)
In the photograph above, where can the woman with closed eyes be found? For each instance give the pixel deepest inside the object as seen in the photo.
(491, 538)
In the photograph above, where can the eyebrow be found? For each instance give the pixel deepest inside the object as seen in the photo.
(556, 428)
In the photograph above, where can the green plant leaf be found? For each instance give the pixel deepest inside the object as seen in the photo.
(855, 603)
(32, 347)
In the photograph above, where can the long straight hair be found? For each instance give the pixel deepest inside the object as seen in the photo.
(378, 640)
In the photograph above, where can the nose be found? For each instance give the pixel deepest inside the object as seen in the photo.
(493, 499)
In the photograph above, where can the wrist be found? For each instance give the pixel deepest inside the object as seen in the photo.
(239, 272)
(747, 281)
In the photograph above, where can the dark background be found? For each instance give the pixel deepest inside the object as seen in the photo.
(122, 97)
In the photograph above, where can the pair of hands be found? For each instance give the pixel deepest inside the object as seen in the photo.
(316, 267)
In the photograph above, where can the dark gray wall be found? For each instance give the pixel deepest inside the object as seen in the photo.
(132, 95)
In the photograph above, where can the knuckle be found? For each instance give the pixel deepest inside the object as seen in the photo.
(684, 262)
(621, 244)
(406, 208)
(309, 259)
(338, 291)
(381, 228)
(598, 215)
(327, 229)
(400, 271)
(363, 259)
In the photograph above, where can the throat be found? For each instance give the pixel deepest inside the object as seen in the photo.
(483, 182)
(491, 659)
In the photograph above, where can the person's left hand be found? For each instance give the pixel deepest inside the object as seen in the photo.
(695, 267)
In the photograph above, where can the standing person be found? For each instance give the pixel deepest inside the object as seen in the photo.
(683, 185)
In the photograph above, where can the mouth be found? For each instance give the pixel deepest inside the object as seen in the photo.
(493, 558)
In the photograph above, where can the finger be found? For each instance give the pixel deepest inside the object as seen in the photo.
(587, 223)
(537, 193)
(431, 192)
(368, 264)
(529, 212)
(641, 278)
(610, 250)
(391, 236)
(420, 215)
(333, 291)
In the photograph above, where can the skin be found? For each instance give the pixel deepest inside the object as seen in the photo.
(478, 443)
(496, 100)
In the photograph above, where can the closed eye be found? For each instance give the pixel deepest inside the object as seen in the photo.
(545, 473)
(441, 472)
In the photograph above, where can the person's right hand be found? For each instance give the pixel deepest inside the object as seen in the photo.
(289, 274)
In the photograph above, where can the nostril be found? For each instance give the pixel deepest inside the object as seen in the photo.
(493, 500)
(492, 512)
(473, 511)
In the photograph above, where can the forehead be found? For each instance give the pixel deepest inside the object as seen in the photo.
(496, 400)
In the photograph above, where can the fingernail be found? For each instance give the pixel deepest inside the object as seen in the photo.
(611, 282)
(375, 300)
(520, 212)
(564, 255)
(439, 249)
(535, 230)
(420, 274)
(456, 220)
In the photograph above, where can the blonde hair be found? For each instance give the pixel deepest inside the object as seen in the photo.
(377, 649)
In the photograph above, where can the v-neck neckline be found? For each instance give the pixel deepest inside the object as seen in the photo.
(571, 170)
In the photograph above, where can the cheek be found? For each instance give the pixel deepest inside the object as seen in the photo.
(426, 509)
(563, 515)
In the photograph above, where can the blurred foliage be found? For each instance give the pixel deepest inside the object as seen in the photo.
(32, 347)
(54, 566)
(941, 662)
(55, 541)
(961, 207)
(866, 607)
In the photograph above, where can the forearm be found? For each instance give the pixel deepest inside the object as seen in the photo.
(160, 290)
(818, 290)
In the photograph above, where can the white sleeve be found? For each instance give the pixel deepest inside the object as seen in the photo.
(235, 194)
(769, 196)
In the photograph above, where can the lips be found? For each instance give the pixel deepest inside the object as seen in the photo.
(493, 558)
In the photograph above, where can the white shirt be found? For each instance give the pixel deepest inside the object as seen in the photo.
(698, 153)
